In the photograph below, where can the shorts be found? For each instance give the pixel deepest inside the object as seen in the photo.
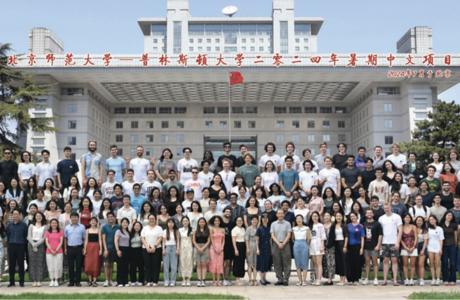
(370, 253)
(389, 250)
(405, 253)
(419, 249)
(111, 258)
(202, 257)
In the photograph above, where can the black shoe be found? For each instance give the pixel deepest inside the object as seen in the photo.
(279, 283)
(262, 282)
(11, 285)
(21, 284)
(71, 284)
(285, 283)
(267, 282)
(78, 284)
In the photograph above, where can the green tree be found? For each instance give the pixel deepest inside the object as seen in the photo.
(18, 94)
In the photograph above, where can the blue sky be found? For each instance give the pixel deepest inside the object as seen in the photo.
(363, 26)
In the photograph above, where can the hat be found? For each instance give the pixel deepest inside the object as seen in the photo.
(190, 190)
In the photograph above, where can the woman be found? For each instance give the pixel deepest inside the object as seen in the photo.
(151, 236)
(121, 241)
(347, 201)
(252, 249)
(64, 217)
(74, 184)
(260, 195)
(194, 214)
(448, 175)
(179, 215)
(171, 246)
(26, 169)
(316, 203)
(363, 198)
(412, 191)
(216, 249)
(186, 252)
(164, 165)
(36, 248)
(437, 163)
(85, 211)
(97, 202)
(216, 186)
(408, 249)
(15, 193)
(329, 198)
(398, 185)
(355, 249)
(54, 241)
(302, 209)
(435, 245)
(146, 210)
(163, 217)
(106, 207)
(389, 171)
(242, 195)
(155, 200)
(204, 201)
(52, 211)
(269, 175)
(307, 178)
(29, 191)
(329, 250)
(201, 241)
(358, 210)
(172, 200)
(238, 183)
(449, 250)
(301, 236)
(136, 263)
(317, 245)
(2, 246)
(48, 188)
(92, 186)
(341, 242)
(92, 250)
(239, 248)
(264, 257)
(422, 243)
(252, 210)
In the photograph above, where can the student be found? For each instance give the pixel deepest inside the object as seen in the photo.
(136, 263)
(36, 247)
(435, 245)
(422, 243)
(252, 249)
(121, 241)
(301, 236)
(329, 249)
(201, 241)
(216, 249)
(372, 244)
(74, 238)
(341, 241)
(355, 249)
(152, 235)
(171, 246)
(239, 248)
(449, 257)
(16, 235)
(110, 254)
(408, 248)
(263, 241)
(92, 250)
(186, 251)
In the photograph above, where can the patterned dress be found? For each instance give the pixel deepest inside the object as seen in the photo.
(329, 257)
(186, 253)
(252, 242)
(216, 260)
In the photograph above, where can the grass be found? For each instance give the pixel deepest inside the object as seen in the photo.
(435, 295)
(119, 296)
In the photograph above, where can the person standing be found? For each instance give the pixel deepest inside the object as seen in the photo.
(140, 165)
(280, 231)
(66, 168)
(8, 168)
(74, 238)
(92, 165)
(171, 246)
(435, 246)
(216, 249)
(301, 236)
(239, 248)
(372, 243)
(121, 241)
(136, 263)
(252, 249)
(36, 247)
(151, 236)
(108, 243)
(92, 250)
(201, 242)
(186, 251)
(449, 251)
(16, 235)
(45, 169)
(54, 240)
(355, 249)
(116, 163)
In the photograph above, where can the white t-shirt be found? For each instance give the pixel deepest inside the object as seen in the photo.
(307, 180)
(129, 213)
(148, 186)
(331, 177)
(390, 226)
(172, 238)
(315, 166)
(44, 171)
(227, 179)
(128, 187)
(268, 178)
(300, 233)
(416, 211)
(197, 186)
(206, 178)
(140, 167)
(435, 236)
(296, 162)
(151, 235)
(399, 160)
(184, 166)
(107, 189)
(96, 206)
(275, 158)
(25, 171)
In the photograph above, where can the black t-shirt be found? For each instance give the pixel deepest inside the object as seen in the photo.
(449, 233)
(367, 177)
(378, 213)
(350, 175)
(66, 169)
(447, 200)
(240, 161)
(340, 161)
(224, 156)
(372, 231)
(8, 171)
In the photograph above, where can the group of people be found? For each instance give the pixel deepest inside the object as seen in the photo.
(338, 217)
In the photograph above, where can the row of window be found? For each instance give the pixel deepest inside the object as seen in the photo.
(235, 110)
(150, 110)
(309, 110)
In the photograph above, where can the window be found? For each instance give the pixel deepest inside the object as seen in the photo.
(325, 110)
(217, 49)
(311, 138)
(190, 49)
(280, 109)
(180, 138)
(326, 124)
(150, 110)
(72, 91)
(72, 108)
(119, 124)
(119, 138)
(38, 142)
(134, 110)
(223, 124)
(149, 138)
(243, 40)
(165, 110)
(251, 109)
(340, 110)
(134, 124)
(177, 42)
(310, 124)
(326, 138)
(119, 110)
(279, 139)
(134, 139)
(72, 124)
(295, 110)
(217, 40)
(71, 140)
(296, 124)
(310, 110)
(190, 40)
(208, 40)
(342, 138)
(388, 107)
(279, 124)
(420, 115)
(295, 138)
(164, 138)
(209, 109)
(164, 124)
(149, 124)
(208, 124)
(222, 110)
(284, 37)
(388, 91)
(237, 110)
(388, 140)
(180, 124)
(237, 124)
(341, 124)
(251, 124)
(388, 123)
(180, 110)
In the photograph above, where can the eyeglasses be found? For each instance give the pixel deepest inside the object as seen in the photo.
(194, 172)
(7, 153)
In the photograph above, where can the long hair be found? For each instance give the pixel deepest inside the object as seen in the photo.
(168, 232)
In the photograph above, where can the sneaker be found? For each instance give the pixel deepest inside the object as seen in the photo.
(422, 282)
(438, 281)
(166, 283)
(154, 284)
(51, 283)
(203, 283)
(433, 282)
(133, 284)
(376, 281)
(406, 282)
(411, 282)
(106, 283)
(184, 283)
(139, 283)
(172, 284)
(149, 284)
(199, 283)
(226, 283)
(365, 281)
(120, 285)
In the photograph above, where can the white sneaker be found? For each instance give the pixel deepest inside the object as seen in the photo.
(438, 281)
(203, 283)
(376, 281)
(166, 283)
(406, 282)
(411, 282)
(51, 283)
(422, 282)
(433, 282)
(106, 283)
(139, 283)
(365, 281)
(56, 283)
(172, 284)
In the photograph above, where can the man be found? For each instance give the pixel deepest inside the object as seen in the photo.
(212, 211)
(288, 214)
(45, 169)
(378, 158)
(368, 174)
(249, 170)
(116, 163)
(306, 155)
(127, 185)
(172, 181)
(329, 177)
(360, 162)
(226, 155)
(240, 160)
(397, 158)
(137, 198)
(411, 164)
(288, 178)
(228, 176)
(396, 206)
(236, 209)
(91, 164)
(74, 234)
(447, 196)
(39, 202)
(351, 176)
(8, 168)
(185, 165)
(372, 243)
(108, 244)
(189, 198)
(339, 159)
(280, 231)
(456, 211)
(140, 165)
(150, 184)
(376, 208)
(205, 175)
(268, 209)
(379, 187)
(195, 184)
(270, 150)
(16, 235)
(321, 156)
(290, 151)
(66, 168)
(434, 184)
(392, 230)
(107, 187)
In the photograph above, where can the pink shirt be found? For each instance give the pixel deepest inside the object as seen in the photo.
(53, 240)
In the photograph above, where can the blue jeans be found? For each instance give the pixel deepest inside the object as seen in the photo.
(170, 262)
(449, 261)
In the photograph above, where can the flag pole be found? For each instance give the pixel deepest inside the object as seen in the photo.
(229, 110)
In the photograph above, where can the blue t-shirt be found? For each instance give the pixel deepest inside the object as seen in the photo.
(92, 163)
(288, 177)
(109, 232)
(355, 233)
(117, 164)
(136, 202)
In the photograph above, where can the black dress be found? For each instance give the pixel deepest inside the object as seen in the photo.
(228, 246)
(263, 259)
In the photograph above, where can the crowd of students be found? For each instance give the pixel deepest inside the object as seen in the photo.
(337, 216)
